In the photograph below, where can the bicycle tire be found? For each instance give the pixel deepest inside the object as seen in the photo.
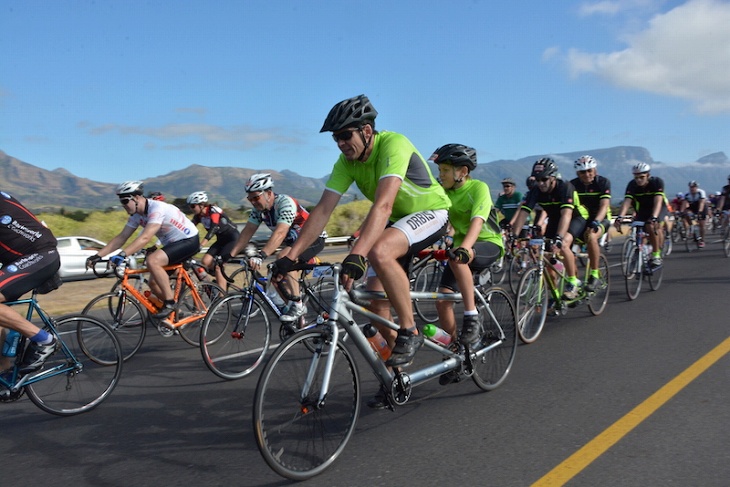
(492, 368)
(687, 244)
(499, 270)
(655, 276)
(668, 245)
(241, 279)
(186, 306)
(532, 304)
(297, 437)
(428, 279)
(726, 241)
(235, 336)
(516, 269)
(599, 297)
(84, 370)
(127, 318)
(634, 274)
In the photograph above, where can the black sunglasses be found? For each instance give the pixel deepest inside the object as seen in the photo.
(344, 136)
(125, 200)
(544, 180)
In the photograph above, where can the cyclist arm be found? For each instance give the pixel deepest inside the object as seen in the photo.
(566, 215)
(244, 238)
(276, 239)
(658, 202)
(116, 242)
(603, 206)
(148, 234)
(377, 217)
(475, 228)
(316, 222)
(215, 225)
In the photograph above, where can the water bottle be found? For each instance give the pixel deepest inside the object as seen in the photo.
(274, 296)
(10, 347)
(153, 299)
(377, 341)
(200, 271)
(558, 264)
(436, 334)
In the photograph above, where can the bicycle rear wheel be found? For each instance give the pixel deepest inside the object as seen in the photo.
(532, 304)
(122, 314)
(655, 277)
(241, 279)
(299, 436)
(518, 264)
(187, 305)
(499, 324)
(84, 370)
(235, 336)
(598, 299)
(428, 280)
(726, 242)
(634, 274)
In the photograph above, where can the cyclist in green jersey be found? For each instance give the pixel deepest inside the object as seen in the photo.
(477, 237)
(409, 213)
(509, 201)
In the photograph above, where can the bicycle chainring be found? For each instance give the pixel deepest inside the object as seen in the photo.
(401, 388)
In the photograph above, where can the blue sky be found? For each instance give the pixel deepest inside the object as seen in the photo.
(115, 90)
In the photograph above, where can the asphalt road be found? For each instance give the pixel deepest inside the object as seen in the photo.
(628, 398)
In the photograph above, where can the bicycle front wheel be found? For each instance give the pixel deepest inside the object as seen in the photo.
(188, 305)
(84, 370)
(428, 280)
(655, 277)
(517, 267)
(499, 326)
(532, 304)
(599, 297)
(235, 336)
(122, 314)
(298, 435)
(634, 274)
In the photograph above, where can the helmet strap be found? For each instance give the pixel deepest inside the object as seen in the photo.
(366, 144)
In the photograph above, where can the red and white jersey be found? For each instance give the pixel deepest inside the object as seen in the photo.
(175, 225)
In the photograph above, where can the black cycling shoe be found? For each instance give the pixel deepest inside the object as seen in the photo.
(593, 283)
(36, 355)
(407, 344)
(378, 401)
(164, 312)
(469, 333)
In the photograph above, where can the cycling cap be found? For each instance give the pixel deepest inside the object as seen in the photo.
(259, 182)
(130, 188)
(197, 198)
(693, 184)
(509, 181)
(641, 167)
(544, 168)
(456, 155)
(680, 195)
(353, 112)
(156, 195)
(585, 163)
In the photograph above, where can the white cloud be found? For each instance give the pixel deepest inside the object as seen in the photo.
(190, 135)
(613, 7)
(682, 53)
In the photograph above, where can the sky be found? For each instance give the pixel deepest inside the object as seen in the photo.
(113, 90)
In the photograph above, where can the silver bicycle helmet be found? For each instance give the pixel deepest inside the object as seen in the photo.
(259, 182)
(641, 167)
(197, 198)
(585, 163)
(130, 188)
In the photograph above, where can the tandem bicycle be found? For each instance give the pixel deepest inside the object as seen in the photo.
(307, 399)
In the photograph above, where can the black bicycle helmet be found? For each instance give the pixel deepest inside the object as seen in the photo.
(353, 112)
(457, 155)
(544, 168)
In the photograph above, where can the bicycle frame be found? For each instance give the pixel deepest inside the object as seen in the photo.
(342, 314)
(183, 279)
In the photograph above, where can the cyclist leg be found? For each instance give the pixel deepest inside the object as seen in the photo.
(173, 253)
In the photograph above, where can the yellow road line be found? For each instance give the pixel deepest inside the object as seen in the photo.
(578, 461)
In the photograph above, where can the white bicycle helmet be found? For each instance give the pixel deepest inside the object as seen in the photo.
(585, 163)
(259, 182)
(197, 198)
(130, 188)
(641, 167)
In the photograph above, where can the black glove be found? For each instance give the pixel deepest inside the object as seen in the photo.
(354, 266)
(595, 225)
(460, 255)
(505, 224)
(91, 261)
(282, 267)
(653, 219)
(558, 241)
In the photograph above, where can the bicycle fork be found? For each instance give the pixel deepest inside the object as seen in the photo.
(308, 403)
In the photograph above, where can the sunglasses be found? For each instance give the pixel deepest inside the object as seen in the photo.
(192, 207)
(253, 199)
(641, 176)
(585, 172)
(543, 180)
(344, 136)
(125, 200)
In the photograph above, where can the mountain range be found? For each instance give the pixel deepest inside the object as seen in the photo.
(43, 190)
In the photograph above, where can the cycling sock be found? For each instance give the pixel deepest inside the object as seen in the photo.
(656, 254)
(471, 313)
(595, 273)
(573, 280)
(42, 337)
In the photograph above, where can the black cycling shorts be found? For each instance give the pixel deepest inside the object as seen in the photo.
(27, 273)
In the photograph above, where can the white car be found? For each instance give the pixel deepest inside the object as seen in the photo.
(73, 252)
